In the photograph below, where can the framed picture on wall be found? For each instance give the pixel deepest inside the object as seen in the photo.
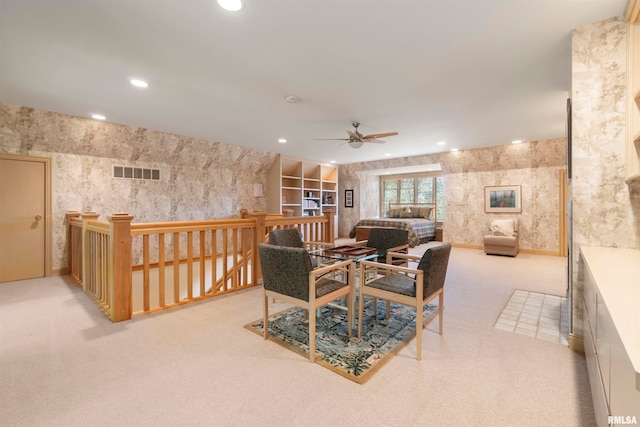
(348, 198)
(504, 198)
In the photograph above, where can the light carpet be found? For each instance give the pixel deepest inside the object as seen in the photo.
(353, 358)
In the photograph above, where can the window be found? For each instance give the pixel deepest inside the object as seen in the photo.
(413, 189)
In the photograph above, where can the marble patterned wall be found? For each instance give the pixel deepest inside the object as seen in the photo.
(534, 165)
(199, 179)
(606, 209)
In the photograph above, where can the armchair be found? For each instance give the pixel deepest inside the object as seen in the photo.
(288, 275)
(408, 286)
(503, 238)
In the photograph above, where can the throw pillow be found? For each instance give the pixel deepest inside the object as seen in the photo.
(502, 227)
(394, 212)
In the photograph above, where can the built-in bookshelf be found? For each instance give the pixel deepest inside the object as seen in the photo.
(304, 187)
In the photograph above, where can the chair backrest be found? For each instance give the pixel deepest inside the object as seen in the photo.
(434, 264)
(285, 270)
(286, 237)
(385, 238)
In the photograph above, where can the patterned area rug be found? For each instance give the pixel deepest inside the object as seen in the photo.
(352, 358)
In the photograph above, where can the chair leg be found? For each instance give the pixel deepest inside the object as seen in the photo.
(265, 320)
(350, 311)
(440, 310)
(360, 314)
(419, 321)
(388, 309)
(312, 334)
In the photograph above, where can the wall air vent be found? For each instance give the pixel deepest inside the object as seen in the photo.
(130, 172)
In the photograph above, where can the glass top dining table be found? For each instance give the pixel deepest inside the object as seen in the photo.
(342, 253)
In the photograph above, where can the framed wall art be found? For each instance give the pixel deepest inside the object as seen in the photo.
(348, 198)
(503, 198)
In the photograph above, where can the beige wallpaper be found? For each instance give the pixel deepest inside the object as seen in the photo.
(534, 165)
(199, 179)
(606, 209)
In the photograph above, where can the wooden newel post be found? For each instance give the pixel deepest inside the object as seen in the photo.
(330, 230)
(261, 231)
(120, 277)
(71, 245)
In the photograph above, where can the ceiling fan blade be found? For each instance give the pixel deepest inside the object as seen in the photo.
(354, 136)
(375, 141)
(380, 135)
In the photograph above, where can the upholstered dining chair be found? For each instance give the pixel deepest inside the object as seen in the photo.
(288, 275)
(414, 287)
(292, 238)
(388, 240)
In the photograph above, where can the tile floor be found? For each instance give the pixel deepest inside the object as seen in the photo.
(537, 315)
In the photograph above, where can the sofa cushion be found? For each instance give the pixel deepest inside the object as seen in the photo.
(492, 240)
(502, 227)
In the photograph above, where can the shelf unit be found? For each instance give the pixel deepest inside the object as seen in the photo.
(305, 187)
(633, 106)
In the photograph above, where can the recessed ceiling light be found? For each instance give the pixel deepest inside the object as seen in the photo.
(282, 140)
(332, 161)
(454, 149)
(387, 154)
(516, 141)
(139, 83)
(441, 143)
(98, 117)
(231, 5)
(292, 99)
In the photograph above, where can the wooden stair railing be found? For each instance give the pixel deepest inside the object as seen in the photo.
(130, 269)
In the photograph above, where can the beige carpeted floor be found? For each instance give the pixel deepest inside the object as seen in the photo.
(62, 363)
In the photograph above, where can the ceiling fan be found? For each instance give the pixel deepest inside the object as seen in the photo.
(356, 139)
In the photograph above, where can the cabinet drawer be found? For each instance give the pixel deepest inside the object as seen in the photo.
(598, 396)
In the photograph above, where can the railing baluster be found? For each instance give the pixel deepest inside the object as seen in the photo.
(214, 261)
(203, 260)
(234, 276)
(189, 265)
(145, 274)
(225, 260)
(161, 268)
(176, 268)
(245, 257)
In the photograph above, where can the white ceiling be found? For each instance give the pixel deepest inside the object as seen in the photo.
(471, 73)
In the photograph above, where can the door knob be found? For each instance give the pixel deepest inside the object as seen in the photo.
(38, 217)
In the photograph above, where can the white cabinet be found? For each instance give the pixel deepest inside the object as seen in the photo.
(611, 329)
(305, 187)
